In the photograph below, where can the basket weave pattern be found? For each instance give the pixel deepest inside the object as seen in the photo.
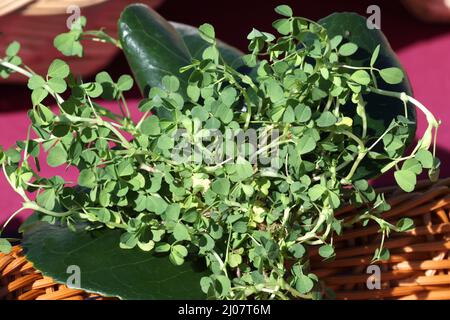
(419, 264)
(20, 281)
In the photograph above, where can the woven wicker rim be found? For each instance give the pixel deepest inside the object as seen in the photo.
(419, 266)
(20, 281)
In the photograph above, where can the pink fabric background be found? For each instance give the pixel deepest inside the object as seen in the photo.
(423, 50)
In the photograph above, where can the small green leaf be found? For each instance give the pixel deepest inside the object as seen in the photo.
(381, 255)
(406, 179)
(335, 41)
(58, 69)
(156, 204)
(348, 49)
(200, 113)
(392, 75)
(375, 55)
(207, 32)
(171, 83)
(434, 171)
(316, 191)
(274, 91)
(289, 115)
(306, 144)
(46, 199)
(125, 168)
(412, 165)
(146, 246)
(303, 284)
(326, 119)
(172, 213)
(69, 44)
(297, 250)
(162, 247)
(221, 186)
(425, 157)
(180, 232)
(244, 169)
(326, 251)
(92, 89)
(38, 95)
(224, 113)
(87, 178)
(165, 142)
(125, 83)
(228, 96)
(405, 224)
(150, 126)
(234, 260)
(5, 246)
(283, 26)
(36, 81)
(361, 77)
(303, 113)
(103, 77)
(180, 251)
(57, 156)
(13, 155)
(12, 49)
(58, 85)
(284, 10)
(193, 92)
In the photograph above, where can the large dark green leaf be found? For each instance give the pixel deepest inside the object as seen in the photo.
(380, 109)
(107, 269)
(196, 45)
(155, 47)
(152, 46)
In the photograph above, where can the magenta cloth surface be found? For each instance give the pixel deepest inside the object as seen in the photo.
(423, 50)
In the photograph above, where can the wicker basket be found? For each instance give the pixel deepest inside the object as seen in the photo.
(419, 266)
(20, 281)
(35, 23)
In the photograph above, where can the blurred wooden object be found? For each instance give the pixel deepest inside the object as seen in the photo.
(35, 23)
(436, 11)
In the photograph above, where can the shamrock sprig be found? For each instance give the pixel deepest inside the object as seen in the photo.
(69, 43)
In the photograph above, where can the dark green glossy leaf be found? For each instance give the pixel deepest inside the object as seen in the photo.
(152, 47)
(105, 268)
(155, 47)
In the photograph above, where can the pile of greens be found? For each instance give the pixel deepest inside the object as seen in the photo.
(328, 99)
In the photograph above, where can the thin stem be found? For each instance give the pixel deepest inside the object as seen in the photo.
(125, 105)
(356, 139)
(16, 68)
(294, 292)
(11, 217)
(381, 137)
(18, 190)
(142, 120)
(36, 207)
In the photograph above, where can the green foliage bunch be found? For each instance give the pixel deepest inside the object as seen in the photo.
(253, 223)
